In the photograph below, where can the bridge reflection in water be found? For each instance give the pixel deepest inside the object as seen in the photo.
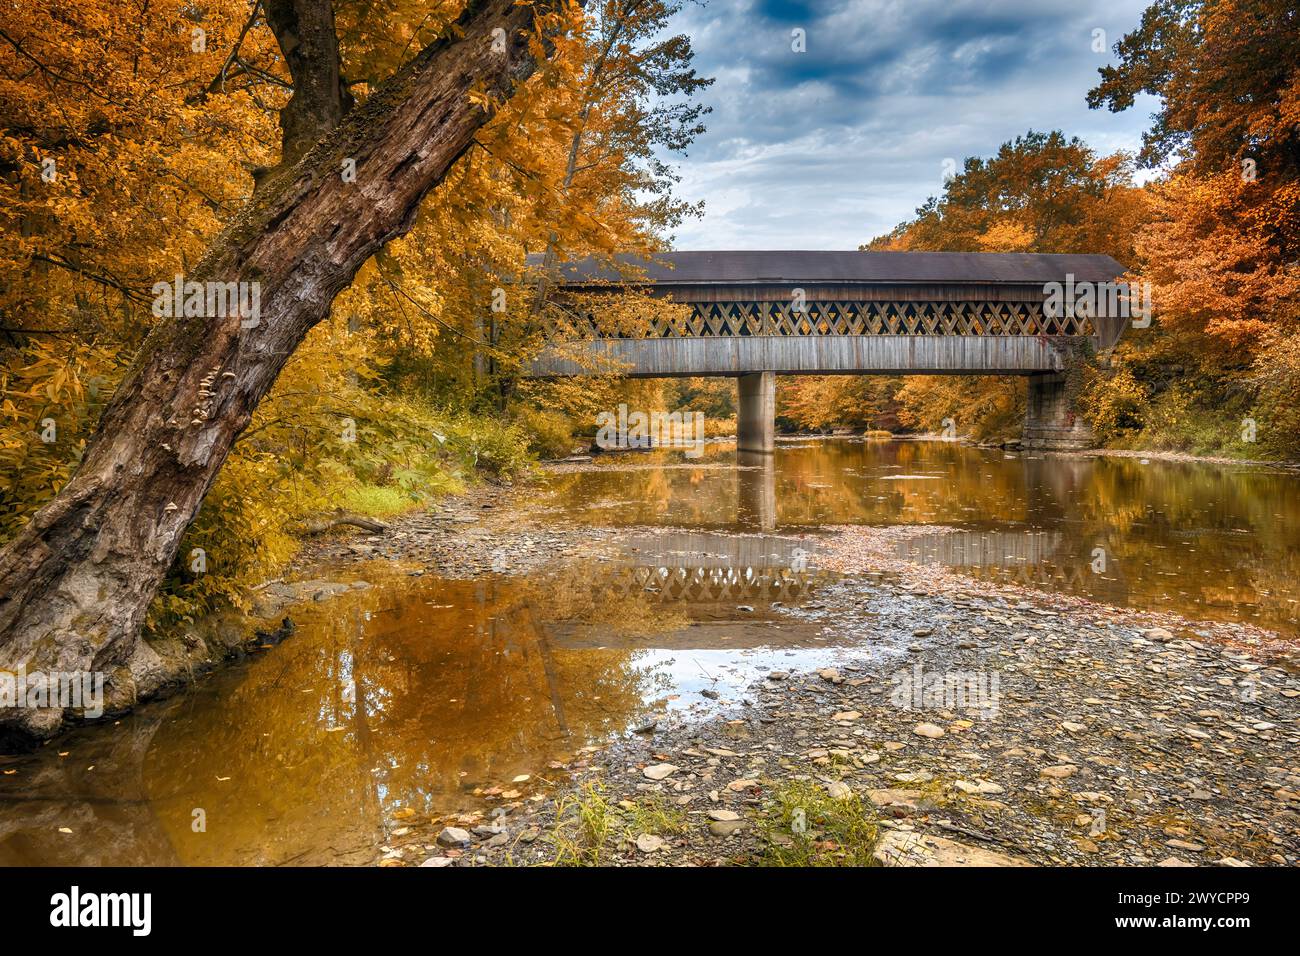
(755, 491)
(1029, 558)
(726, 590)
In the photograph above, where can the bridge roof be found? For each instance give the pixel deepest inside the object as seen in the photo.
(803, 266)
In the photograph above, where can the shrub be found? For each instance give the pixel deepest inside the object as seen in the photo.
(550, 433)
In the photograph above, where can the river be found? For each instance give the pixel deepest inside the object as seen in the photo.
(421, 693)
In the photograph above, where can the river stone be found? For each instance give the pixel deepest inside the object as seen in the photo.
(453, 837)
(724, 816)
(649, 843)
(1059, 772)
(839, 790)
(981, 786)
(659, 771)
(438, 861)
(899, 799)
(724, 828)
(933, 731)
(902, 848)
(914, 776)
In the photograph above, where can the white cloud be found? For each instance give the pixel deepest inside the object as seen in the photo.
(827, 149)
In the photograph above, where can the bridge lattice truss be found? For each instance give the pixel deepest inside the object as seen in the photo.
(967, 317)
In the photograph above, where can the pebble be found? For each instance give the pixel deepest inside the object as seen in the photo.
(1059, 772)
(649, 843)
(453, 837)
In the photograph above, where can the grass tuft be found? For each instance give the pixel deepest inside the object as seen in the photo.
(589, 824)
(806, 826)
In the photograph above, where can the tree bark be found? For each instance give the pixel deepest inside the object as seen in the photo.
(76, 583)
(304, 29)
(339, 520)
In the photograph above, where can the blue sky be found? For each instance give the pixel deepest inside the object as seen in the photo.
(828, 148)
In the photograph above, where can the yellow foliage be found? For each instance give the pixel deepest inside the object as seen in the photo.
(130, 136)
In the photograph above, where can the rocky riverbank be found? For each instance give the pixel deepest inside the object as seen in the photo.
(968, 724)
(962, 723)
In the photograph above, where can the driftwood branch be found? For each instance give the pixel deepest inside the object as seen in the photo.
(339, 519)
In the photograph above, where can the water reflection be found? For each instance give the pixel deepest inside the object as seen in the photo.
(755, 491)
(1211, 541)
(1039, 559)
(405, 698)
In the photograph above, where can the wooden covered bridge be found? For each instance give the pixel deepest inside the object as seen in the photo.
(756, 315)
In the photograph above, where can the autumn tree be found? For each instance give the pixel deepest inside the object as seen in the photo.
(823, 402)
(574, 165)
(1222, 248)
(1041, 192)
(126, 144)
(75, 583)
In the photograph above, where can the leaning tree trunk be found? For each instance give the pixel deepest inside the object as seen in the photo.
(75, 584)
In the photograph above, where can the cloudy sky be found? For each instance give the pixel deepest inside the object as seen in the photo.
(828, 148)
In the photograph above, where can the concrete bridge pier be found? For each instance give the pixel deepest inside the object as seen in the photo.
(756, 413)
(1051, 423)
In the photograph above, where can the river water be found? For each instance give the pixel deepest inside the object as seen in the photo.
(424, 694)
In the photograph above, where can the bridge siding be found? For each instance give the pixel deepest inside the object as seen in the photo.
(809, 354)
